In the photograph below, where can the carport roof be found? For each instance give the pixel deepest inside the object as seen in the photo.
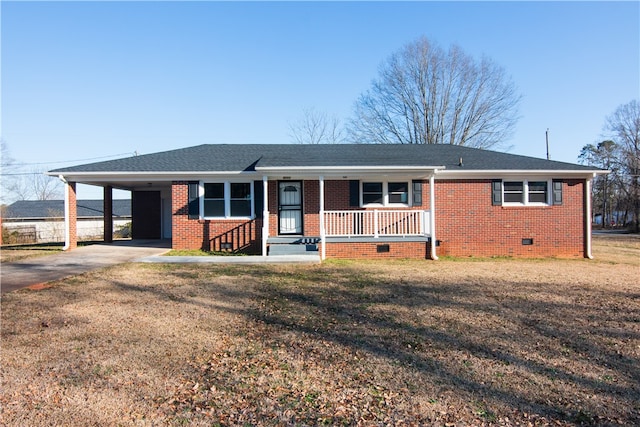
(248, 157)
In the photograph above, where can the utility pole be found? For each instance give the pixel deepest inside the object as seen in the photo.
(547, 137)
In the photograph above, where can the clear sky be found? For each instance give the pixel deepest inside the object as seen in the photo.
(85, 80)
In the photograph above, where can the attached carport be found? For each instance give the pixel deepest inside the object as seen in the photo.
(150, 204)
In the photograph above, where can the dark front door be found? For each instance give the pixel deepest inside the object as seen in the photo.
(146, 218)
(290, 207)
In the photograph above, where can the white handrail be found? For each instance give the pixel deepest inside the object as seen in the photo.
(377, 223)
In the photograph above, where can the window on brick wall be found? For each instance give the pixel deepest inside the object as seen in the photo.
(372, 193)
(522, 193)
(385, 194)
(227, 200)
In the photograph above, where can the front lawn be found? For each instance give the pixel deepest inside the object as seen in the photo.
(505, 342)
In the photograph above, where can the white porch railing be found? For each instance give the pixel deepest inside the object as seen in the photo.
(376, 223)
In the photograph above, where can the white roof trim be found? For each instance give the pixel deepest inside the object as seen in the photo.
(440, 172)
(147, 173)
(497, 173)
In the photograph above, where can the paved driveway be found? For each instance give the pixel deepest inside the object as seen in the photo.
(32, 271)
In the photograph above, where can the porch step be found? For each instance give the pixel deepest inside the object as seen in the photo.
(293, 240)
(297, 246)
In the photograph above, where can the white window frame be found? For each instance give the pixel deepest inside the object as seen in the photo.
(227, 199)
(525, 189)
(385, 194)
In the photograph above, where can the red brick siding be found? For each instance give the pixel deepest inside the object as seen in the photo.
(244, 235)
(468, 225)
(273, 208)
(73, 216)
(336, 196)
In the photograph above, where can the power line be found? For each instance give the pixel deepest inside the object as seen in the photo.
(21, 173)
(72, 161)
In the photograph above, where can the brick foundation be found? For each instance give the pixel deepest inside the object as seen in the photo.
(416, 250)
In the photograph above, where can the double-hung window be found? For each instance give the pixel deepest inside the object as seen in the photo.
(227, 199)
(385, 193)
(214, 200)
(398, 192)
(372, 193)
(240, 199)
(525, 193)
(538, 192)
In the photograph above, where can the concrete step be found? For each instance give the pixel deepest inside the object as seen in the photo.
(293, 249)
(281, 240)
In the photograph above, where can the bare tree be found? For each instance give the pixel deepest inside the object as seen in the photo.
(427, 95)
(624, 125)
(34, 185)
(7, 168)
(316, 127)
(18, 184)
(5, 157)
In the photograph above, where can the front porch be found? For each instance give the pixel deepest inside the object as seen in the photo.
(376, 228)
(324, 213)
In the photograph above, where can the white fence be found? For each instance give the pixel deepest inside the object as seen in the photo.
(377, 223)
(53, 231)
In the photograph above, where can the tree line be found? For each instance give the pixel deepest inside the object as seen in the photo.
(616, 196)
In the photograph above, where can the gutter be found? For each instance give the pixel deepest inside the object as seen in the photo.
(587, 217)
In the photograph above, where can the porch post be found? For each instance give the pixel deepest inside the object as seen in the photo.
(323, 239)
(108, 213)
(432, 216)
(265, 214)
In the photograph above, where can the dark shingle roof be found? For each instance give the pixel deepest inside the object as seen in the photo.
(245, 157)
(25, 209)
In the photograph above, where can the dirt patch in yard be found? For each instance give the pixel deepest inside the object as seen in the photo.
(480, 342)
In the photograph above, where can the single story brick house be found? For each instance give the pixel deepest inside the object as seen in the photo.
(349, 200)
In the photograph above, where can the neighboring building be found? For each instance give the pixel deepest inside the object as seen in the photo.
(41, 221)
(351, 200)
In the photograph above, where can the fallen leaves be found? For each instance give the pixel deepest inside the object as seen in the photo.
(399, 343)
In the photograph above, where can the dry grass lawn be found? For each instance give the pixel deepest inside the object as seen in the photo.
(16, 253)
(453, 342)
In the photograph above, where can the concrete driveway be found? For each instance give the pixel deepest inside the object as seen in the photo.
(33, 271)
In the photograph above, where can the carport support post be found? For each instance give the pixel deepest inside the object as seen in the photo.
(108, 214)
(70, 215)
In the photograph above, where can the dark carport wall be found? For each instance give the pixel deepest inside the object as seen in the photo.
(146, 218)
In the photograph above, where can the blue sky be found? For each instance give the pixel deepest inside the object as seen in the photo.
(84, 80)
